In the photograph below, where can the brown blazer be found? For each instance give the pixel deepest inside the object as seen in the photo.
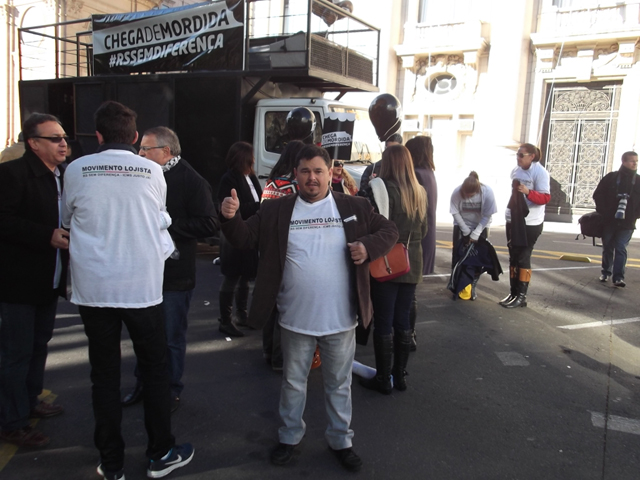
(268, 230)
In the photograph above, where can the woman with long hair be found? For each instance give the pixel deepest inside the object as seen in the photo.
(238, 266)
(472, 206)
(407, 208)
(530, 193)
(421, 149)
(342, 181)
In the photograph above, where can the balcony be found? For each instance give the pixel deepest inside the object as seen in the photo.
(577, 25)
(422, 38)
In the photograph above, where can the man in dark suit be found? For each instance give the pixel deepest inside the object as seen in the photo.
(33, 261)
(314, 250)
(193, 216)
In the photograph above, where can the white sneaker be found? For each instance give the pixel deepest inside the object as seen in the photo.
(603, 278)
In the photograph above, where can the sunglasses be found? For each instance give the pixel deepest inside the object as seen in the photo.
(521, 155)
(338, 164)
(53, 139)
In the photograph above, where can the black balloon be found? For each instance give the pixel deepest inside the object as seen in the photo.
(385, 113)
(301, 123)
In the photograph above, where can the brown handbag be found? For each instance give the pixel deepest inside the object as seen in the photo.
(391, 265)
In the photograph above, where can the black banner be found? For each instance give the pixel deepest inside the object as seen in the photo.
(337, 135)
(202, 37)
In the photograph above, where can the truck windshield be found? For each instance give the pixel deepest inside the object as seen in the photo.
(366, 147)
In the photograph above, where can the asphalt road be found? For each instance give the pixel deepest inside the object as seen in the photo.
(545, 392)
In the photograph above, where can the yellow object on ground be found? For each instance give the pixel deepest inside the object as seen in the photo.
(466, 293)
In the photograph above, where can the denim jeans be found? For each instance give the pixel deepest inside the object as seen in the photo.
(175, 305)
(614, 251)
(337, 352)
(25, 331)
(103, 327)
(391, 306)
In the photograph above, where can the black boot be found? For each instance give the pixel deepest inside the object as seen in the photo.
(401, 349)
(513, 279)
(413, 314)
(520, 300)
(226, 324)
(242, 298)
(383, 348)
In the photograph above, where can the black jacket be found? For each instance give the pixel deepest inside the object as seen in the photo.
(193, 216)
(606, 198)
(28, 216)
(519, 210)
(235, 262)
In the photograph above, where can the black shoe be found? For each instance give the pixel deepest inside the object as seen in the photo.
(134, 397)
(230, 330)
(348, 459)
(619, 283)
(378, 383)
(282, 454)
(175, 403)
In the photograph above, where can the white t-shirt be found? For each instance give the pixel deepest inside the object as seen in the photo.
(316, 295)
(473, 214)
(114, 203)
(534, 178)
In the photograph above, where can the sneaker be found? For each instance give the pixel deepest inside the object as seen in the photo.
(178, 456)
(107, 475)
(603, 278)
(348, 459)
(620, 283)
(282, 454)
(25, 437)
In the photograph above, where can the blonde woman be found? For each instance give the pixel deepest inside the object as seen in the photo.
(342, 181)
(407, 208)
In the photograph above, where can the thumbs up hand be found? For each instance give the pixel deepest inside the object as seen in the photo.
(230, 205)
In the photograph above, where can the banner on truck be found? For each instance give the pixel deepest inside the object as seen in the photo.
(202, 37)
(337, 135)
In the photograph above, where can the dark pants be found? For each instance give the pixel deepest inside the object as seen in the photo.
(175, 305)
(614, 251)
(230, 282)
(521, 256)
(25, 331)
(391, 306)
(103, 327)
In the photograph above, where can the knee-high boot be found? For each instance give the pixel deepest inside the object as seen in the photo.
(513, 279)
(413, 314)
(523, 285)
(242, 299)
(474, 282)
(401, 349)
(383, 348)
(226, 323)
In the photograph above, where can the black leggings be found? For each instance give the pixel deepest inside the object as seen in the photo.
(521, 256)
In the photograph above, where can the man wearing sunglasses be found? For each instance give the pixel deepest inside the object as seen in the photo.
(33, 260)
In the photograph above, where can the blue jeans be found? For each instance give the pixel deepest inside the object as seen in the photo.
(614, 251)
(25, 331)
(337, 352)
(175, 305)
(103, 327)
(391, 306)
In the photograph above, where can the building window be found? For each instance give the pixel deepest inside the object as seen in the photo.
(437, 12)
(442, 84)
